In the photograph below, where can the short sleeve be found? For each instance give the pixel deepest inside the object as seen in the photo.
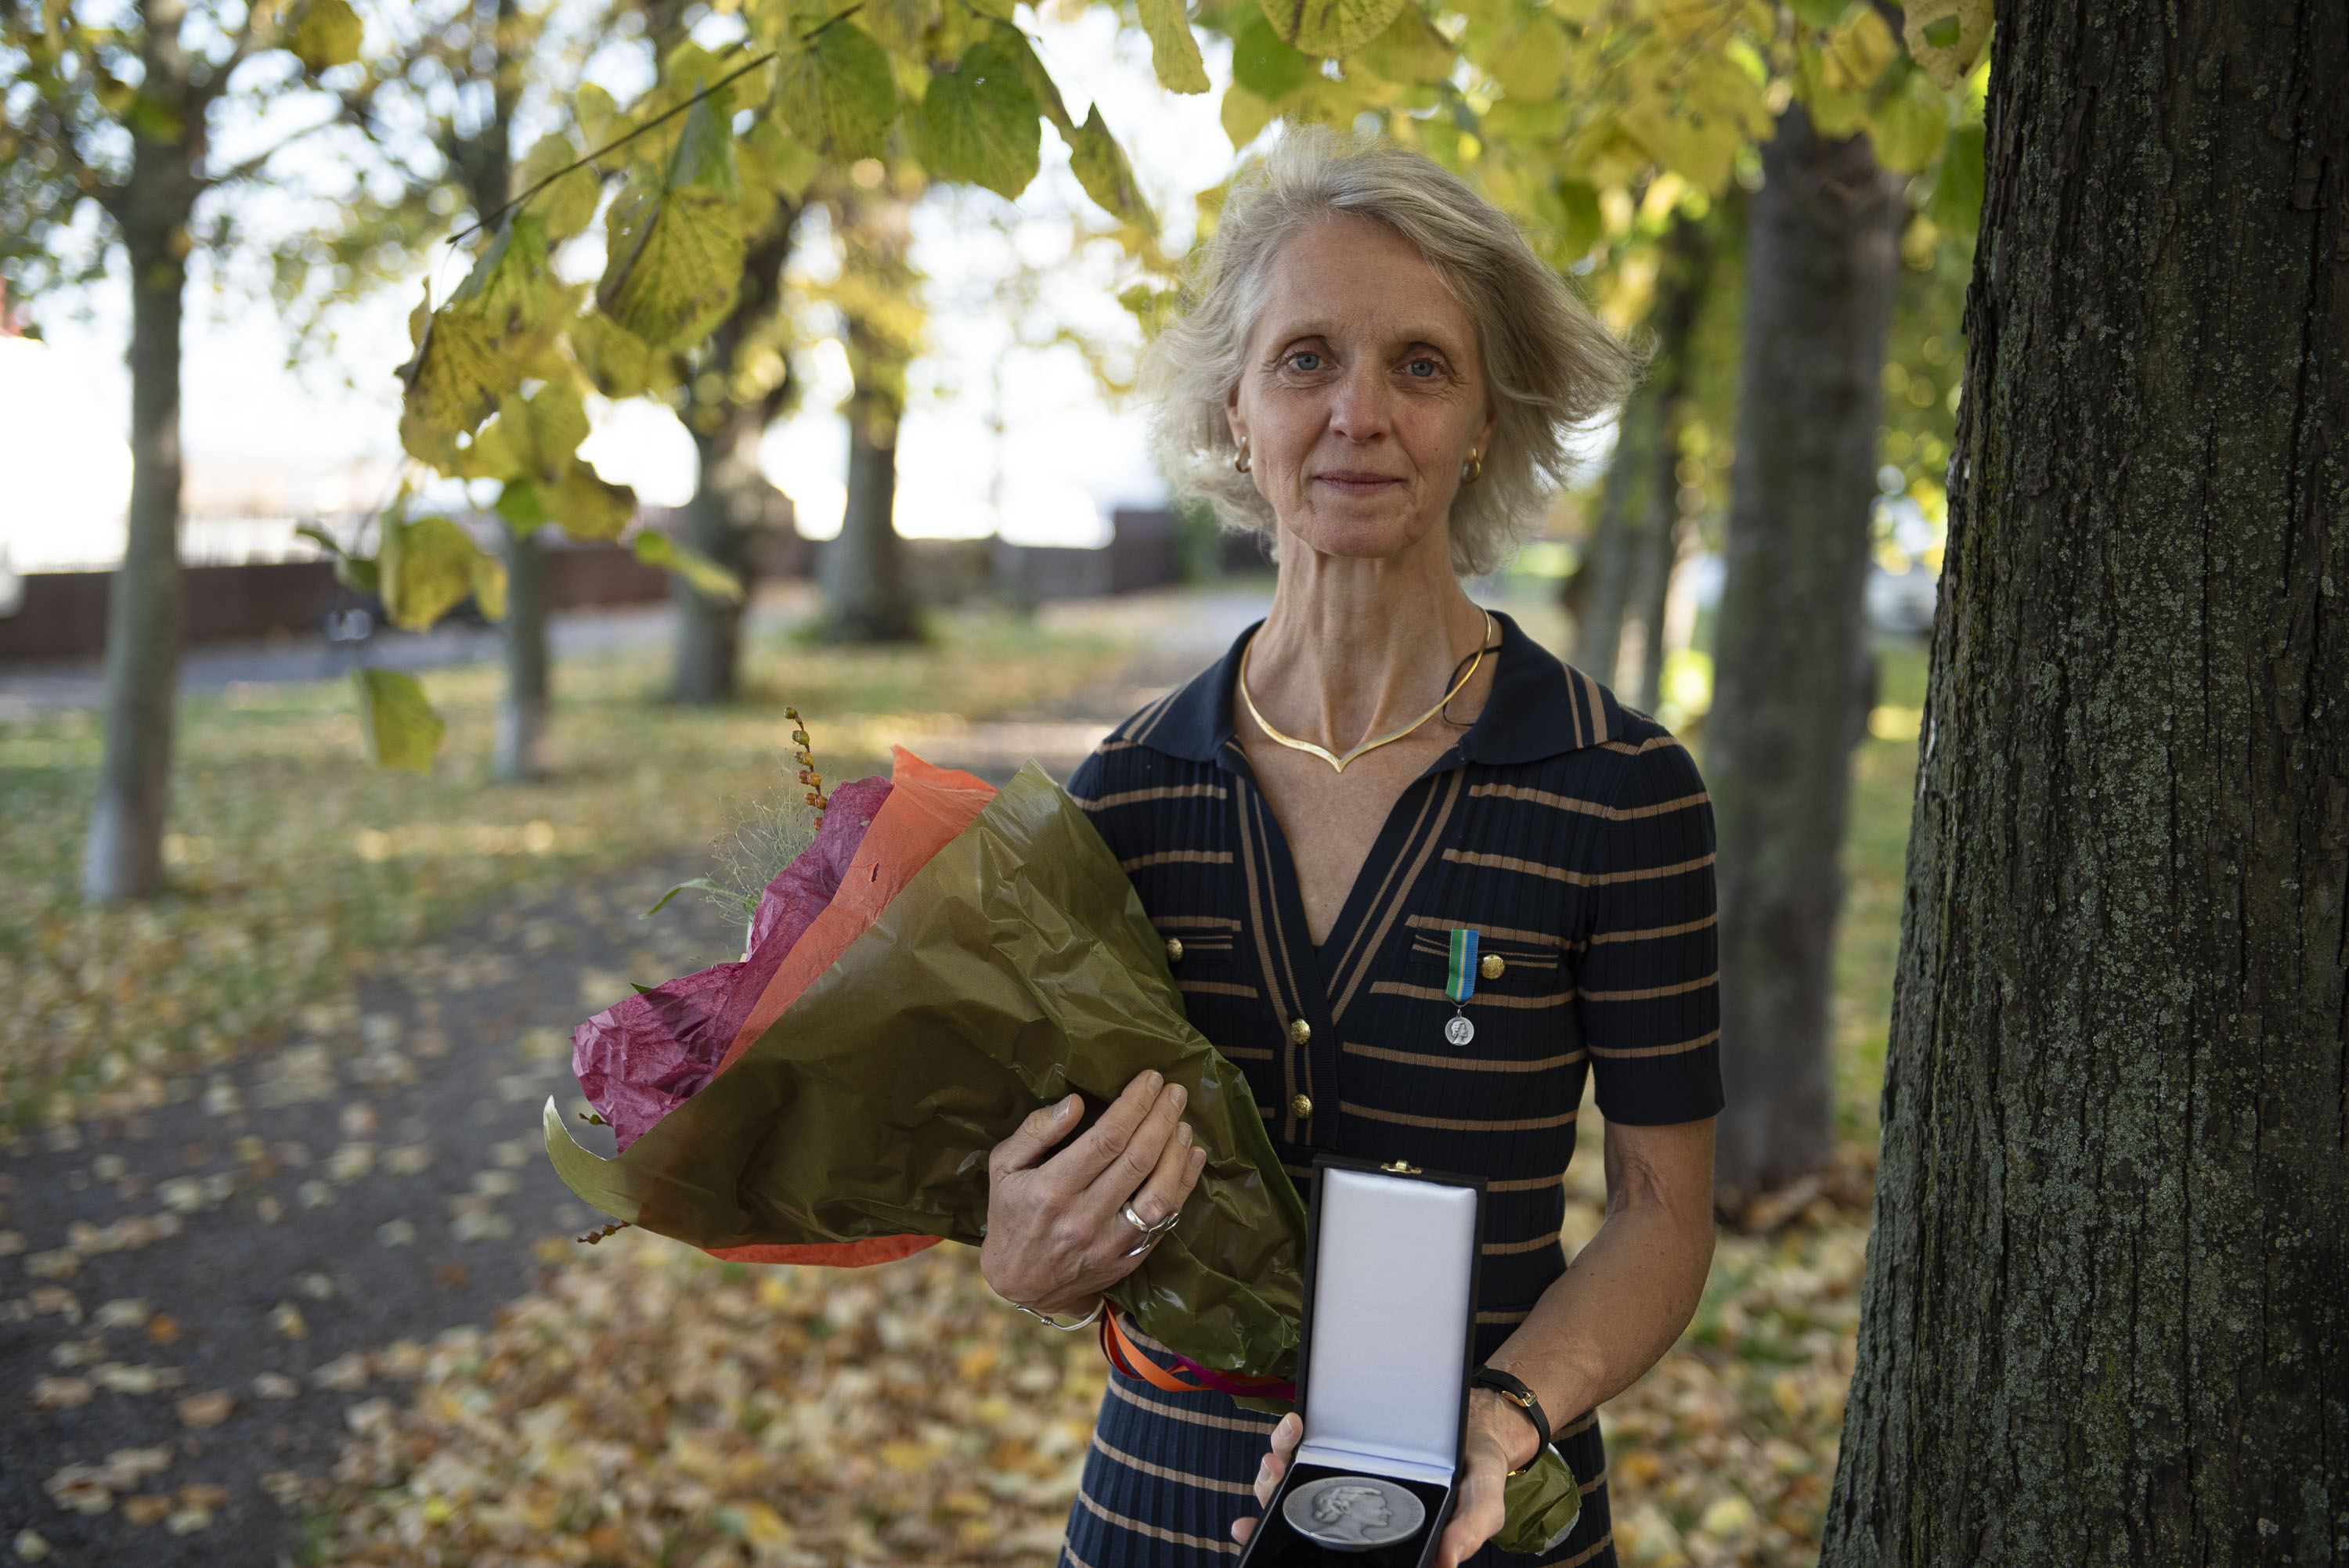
(1649, 991)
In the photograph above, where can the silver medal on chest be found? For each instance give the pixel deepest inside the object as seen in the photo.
(1459, 1030)
(1353, 1512)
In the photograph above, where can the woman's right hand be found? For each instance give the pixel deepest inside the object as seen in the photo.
(1057, 1235)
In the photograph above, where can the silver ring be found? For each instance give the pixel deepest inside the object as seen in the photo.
(1134, 1220)
(1146, 1243)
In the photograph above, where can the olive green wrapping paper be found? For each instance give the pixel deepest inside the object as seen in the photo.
(1016, 965)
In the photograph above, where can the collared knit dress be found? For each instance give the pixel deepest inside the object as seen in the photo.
(1573, 835)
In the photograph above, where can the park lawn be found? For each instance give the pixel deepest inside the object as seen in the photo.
(651, 1406)
(295, 866)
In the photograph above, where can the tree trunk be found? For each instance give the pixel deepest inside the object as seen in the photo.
(734, 506)
(2104, 1318)
(124, 859)
(1618, 597)
(1680, 297)
(869, 598)
(521, 749)
(124, 856)
(1791, 648)
(1600, 589)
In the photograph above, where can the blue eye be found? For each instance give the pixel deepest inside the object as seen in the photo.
(1305, 359)
(1422, 369)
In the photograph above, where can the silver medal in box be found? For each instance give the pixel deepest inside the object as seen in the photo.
(1382, 1372)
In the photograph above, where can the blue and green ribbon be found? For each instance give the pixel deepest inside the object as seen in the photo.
(1462, 984)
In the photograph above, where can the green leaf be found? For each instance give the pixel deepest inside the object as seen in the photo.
(705, 152)
(1332, 29)
(521, 505)
(1174, 52)
(618, 363)
(479, 347)
(323, 33)
(1261, 62)
(1909, 126)
(489, 586)
(979, 123)
(1820, 13)
(1014, 43)
(709, 580)
(567, 204)
(585, 507)
(1946, 52)
(1584, 221)
(898, 25)
(426, 569)
(783, 162)
(356, 573)
(1532, 65)
(1101, 168)
(1956, 203)
(699, 884)
(401, 729)
(837, 94)
(1413, 52)
(676, 260)
(541, 433)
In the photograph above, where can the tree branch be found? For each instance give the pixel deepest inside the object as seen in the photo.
(484, 221)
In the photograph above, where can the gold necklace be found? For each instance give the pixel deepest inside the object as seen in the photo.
(1334, 761)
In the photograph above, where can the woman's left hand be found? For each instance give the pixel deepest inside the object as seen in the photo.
(1499, 1440)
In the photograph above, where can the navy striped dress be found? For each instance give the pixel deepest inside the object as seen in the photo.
(1575, 836)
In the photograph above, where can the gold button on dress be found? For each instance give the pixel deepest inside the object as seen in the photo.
(1301, 1106)
(1490, 966)
(1301, 1032)
(1174, 950)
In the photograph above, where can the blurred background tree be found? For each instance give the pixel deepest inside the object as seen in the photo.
(119, 111)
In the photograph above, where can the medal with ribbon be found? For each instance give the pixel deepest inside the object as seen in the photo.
(1461, 984)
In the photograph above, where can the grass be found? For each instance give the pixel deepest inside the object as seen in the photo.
(294, 866)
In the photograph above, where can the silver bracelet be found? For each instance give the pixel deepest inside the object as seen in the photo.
(1084, 1322)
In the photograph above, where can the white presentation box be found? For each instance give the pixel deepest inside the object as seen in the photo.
(1389, 1344)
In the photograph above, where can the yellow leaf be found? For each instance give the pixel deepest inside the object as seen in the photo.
(676, 262)
(402, 731)
(567, 204)
(1331, 28)
(585, 507)
(1244, 116)
(1910, 126)
(1412, 50)
(426, 569)
(323, 33)
(1946, 37)
(1855, 53)
(1532, 64)
(1174, 53)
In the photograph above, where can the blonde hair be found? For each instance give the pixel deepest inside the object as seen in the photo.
(1550, 367)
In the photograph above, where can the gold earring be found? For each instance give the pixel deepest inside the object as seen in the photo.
(1240, 461)
(1471, 468)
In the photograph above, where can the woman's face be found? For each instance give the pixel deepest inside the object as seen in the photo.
(1362, 392)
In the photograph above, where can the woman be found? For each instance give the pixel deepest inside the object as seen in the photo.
(1376, 369)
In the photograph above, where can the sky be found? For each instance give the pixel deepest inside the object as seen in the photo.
(319, 435)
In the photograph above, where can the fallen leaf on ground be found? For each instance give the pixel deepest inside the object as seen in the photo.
(198, 1411)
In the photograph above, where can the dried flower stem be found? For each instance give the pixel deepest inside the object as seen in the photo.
(806, 758)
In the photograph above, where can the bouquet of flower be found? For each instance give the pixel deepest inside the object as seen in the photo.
(939, 962)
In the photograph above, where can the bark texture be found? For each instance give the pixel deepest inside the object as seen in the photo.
(2106, 1309)
(1791, 647)
(868, 596)
(733, 506)
(124, 856)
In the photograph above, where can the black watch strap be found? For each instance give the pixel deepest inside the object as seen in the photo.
(1513, 1388)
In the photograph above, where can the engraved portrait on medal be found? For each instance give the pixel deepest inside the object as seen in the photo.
(1353, 1512)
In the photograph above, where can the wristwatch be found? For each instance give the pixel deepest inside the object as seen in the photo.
(1513, 1388)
